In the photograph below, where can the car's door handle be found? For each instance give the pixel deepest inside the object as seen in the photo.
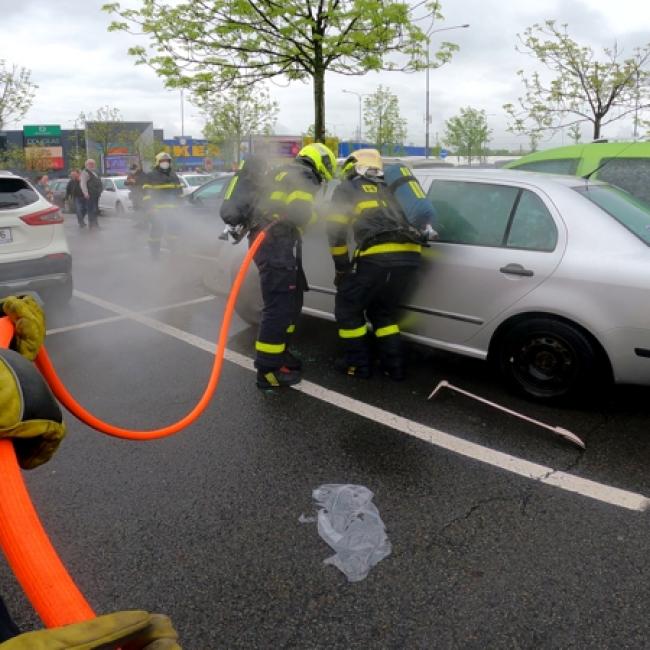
(516, 269)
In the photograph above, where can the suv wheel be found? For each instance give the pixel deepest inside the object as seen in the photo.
(548, 359)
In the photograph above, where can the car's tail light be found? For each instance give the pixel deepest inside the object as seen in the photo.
(43, 217)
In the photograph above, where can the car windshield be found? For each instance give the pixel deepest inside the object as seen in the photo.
(119, 183)
(15, 193)
(195, 181)
(629, 211)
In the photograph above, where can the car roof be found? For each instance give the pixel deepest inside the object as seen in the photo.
(539, 179)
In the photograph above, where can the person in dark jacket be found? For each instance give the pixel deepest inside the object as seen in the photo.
(74, 195)
(163, 193)
(373, 280)
(135, 181)
(287, 206)
(91, 187)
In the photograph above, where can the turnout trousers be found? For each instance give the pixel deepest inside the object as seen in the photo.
(283, 282)
(372, 293)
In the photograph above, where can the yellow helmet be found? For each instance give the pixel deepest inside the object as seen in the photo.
(361, 161)
(163, 155)
(322, 159)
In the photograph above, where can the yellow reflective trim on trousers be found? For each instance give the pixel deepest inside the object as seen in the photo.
(165, 206)
(365, 205)
(339, 250)
(291, 329)
(166, 186)
(391, 248)
(231, 187)
(338, 218)
(278, 196)
(299, 195)
(387, 331)
(417, 190)
(146, 198)
(355, 333)
(270, 348)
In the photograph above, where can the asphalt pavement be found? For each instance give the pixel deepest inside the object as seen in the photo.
(204, 525)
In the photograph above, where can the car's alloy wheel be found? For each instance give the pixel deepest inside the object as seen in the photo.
(548, 359)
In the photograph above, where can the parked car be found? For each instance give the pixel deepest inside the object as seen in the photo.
(34, 254)
(115, 196)
(546, 276)
(58, 187)
(191, 182)
(625, 164)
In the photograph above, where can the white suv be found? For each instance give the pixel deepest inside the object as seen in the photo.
(34, 254)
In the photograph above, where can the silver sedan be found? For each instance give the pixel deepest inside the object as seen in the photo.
(548, 277)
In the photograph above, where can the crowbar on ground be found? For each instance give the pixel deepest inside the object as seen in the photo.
(560, 431)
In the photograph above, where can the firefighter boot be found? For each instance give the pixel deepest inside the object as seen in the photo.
(363, 372)
(278, 377)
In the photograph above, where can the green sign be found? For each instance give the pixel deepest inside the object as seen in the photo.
(36, 130)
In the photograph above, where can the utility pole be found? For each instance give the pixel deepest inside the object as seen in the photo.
(427, 118)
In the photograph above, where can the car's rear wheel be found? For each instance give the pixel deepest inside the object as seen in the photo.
(548, 359)
(60, 295)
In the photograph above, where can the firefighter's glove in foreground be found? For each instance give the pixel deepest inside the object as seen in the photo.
(29, 323)
(127, 630)
(29, 413)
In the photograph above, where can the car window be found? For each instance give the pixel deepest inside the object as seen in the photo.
(567, 166)
(15, 193)
(195, 181)
(472, 213)
(631, 174)
(120, 183)
(629, 211)
(107, 183)
(213, 190)
(532, 226)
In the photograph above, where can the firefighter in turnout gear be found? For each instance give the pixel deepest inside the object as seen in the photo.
(289, 206)
(370, 282)
(162, 193)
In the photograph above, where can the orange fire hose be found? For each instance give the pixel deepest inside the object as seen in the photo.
(45, 366)
(27, 547)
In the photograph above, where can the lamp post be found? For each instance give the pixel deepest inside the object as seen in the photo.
(360, 96)
(427, 114)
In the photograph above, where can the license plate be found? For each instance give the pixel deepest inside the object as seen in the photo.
(5, 236)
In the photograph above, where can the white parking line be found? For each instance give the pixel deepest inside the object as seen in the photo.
(533, 471)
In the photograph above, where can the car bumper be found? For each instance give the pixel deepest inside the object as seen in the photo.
(34, 275)
(629, 354)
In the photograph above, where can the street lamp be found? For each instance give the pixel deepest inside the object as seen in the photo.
(359, 95)
(428, 116)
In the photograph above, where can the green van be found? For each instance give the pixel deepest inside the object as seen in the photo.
(626, 164)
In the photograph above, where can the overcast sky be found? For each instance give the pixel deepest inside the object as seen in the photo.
(79, 66)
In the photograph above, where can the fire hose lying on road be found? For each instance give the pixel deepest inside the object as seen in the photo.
(30, 554)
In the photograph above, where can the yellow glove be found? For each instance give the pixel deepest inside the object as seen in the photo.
(126, 630)
(29, 413)
(29, 322)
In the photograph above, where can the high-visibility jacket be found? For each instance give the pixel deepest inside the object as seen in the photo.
(290, 195)
(381, 231)
(162, 191)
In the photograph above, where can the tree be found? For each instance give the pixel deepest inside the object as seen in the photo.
(581, 88)
(16, 92)
(237, 114)
(218, 43)
(468, 132)
(104, 128)
(383, 123)
(575, 133)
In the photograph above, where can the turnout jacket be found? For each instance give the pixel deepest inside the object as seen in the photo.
(290, 196)
(381, 232)
(162, 190)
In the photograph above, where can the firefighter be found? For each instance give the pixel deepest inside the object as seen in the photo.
(372, 281)
(288, 205)
(162, 199)
(32, 418)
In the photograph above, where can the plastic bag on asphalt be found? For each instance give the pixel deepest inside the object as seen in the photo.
(349, 522)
